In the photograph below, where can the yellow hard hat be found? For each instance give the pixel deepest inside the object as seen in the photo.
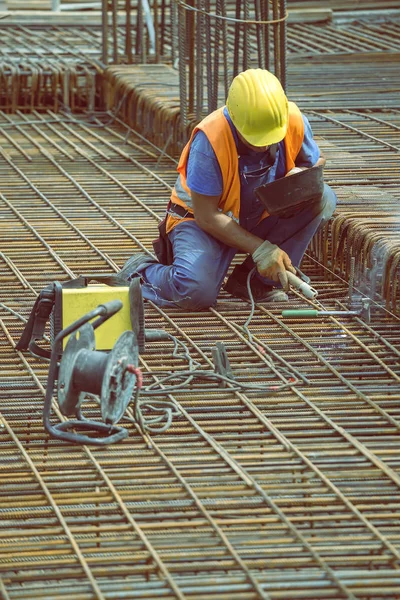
(258, 107)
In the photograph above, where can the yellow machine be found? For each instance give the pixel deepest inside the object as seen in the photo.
(61, 304)
(76, 302)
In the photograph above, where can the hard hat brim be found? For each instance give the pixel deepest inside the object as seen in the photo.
(265, 138)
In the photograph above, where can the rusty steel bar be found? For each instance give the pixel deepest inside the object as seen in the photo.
(208, 55)
(283, 43)
(114, 26)
(246, 35)
(182, 49)
(128, 32)
(277, 43)
(104, 25)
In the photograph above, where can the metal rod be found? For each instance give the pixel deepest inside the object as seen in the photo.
(104, 25)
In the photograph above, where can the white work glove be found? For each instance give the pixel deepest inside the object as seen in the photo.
(294, 170)
(272, 262)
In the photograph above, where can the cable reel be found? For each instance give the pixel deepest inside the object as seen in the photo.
(112, 376)
(83, 369)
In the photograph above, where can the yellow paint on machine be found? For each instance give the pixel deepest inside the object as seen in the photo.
(78, 302)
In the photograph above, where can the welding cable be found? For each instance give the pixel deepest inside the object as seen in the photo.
(194, 364)
(160, 418)
(186, 354)
(155, 416)
(154, 389)
(245, 327)
(291, 375)
(195, 371)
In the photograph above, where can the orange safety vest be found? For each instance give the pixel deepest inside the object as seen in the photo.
(220, 136)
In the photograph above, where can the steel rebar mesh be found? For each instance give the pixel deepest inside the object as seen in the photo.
(290, 495)
(48, 66)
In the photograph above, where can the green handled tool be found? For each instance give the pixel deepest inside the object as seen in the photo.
(309, 313)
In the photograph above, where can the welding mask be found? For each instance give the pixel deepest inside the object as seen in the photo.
(286, 196)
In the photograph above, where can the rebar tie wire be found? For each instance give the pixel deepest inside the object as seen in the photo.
(232, 19)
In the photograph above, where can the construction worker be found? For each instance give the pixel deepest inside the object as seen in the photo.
(213, 212)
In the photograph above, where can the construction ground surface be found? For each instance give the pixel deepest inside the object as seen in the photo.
(287, 493)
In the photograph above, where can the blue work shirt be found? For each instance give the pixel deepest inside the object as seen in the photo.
(203, 173)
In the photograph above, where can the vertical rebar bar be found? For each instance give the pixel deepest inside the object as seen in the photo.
(225, 46)
(139, 46)
(66, 88)
(277, 62)
(163, 25)
(156, 32)
(259, 35)
(190, 45)
(114, 21)
(104, 30)
(265, 17)
(237, 40)
(209, 76)
(217, 37)
(182, 64)
(351, 279)
(174, 14)
(199, 60)
(282, 42)
(128, 32)
(246, 36)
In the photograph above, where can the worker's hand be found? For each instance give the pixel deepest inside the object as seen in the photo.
(295, 170)
(272, 262)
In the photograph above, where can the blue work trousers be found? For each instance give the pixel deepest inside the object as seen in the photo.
(201, 262)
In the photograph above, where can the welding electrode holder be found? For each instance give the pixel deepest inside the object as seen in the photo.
(301, 285)
(83, 370)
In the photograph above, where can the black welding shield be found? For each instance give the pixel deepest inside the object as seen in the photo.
(283, 197)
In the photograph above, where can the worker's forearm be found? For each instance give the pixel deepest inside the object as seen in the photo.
(224, 229)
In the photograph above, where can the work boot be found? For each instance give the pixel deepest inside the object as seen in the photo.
(130, 269)
(262, 292)
(131, 266)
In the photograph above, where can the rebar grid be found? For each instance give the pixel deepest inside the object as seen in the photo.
(367, 223)
(247, 496)
(54, 66)
(303, 39)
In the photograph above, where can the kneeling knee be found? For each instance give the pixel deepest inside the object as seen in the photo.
(328, 202)
(194, 294)
(198, 298)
